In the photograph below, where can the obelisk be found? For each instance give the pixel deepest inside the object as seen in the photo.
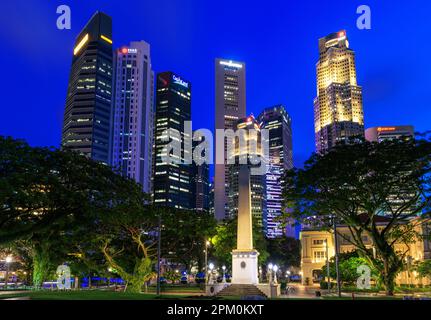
(244, 258)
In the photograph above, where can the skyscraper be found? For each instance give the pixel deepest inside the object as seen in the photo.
(276, 120)
(378, 134)
(338, 113)
(88, 112)
(172, 181)
(200, 185)
(133, 113)
(230, 106)
(257, 181)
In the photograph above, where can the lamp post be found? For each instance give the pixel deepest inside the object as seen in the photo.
(224, 273)
(207, 243)
(8, 262)
(327, 266)
(159, 249)
(337, 261)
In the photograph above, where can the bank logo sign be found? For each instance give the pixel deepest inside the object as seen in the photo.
(179, 81)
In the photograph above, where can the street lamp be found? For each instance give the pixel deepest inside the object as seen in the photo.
(8, 262)
(207, 244)
(275, 268)
(327, 266)
(211, 266)
(224, 273)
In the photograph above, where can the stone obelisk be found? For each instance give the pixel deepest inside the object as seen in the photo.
(244, 258)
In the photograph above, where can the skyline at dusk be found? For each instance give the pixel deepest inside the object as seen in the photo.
(278, 42)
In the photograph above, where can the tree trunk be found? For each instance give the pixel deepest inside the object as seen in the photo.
(388, 278)
(41, 264)
(135, 286)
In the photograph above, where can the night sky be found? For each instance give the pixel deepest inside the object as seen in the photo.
(278, 40)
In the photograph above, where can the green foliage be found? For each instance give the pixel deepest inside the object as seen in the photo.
(285, 252)
(358, 183)
(424, 269)
(225, 241)
(52, 199)
(184, 235)
(348, 266)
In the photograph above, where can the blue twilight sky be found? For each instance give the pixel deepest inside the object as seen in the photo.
(278, 40)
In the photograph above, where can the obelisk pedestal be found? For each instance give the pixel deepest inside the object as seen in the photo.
(244, 257)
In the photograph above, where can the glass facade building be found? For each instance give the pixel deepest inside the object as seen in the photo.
(87, 120)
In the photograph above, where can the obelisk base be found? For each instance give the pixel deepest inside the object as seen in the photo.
(244, 267)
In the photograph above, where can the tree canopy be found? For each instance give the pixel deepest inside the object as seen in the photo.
(358, 184)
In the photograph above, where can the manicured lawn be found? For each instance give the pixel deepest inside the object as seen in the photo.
(90, 295)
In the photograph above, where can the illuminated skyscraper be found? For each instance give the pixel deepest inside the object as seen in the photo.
(172, 181)
(257, 181)
(133, 113)
(278, 123)
(88, 112)
(230, 102)
(338, 113)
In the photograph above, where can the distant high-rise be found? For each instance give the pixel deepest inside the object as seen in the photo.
(172, 181)
(278, 123)
(133, 113)
(200, 185)
(378, 134)
(257, 182)
(338, 113)
(88, 113)
(230, 106)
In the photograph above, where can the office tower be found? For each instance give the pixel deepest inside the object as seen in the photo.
(211, 197)
(378, 134)
(257, 181)
(230, 101)
(278, 123)
(200, 185)
(88, 112)
(172, 180)
(338, 113)
(133, 113)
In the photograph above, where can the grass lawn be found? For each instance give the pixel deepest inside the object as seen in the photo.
(90, 295)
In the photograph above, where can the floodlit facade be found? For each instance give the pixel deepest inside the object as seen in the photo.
(276, 120)
(338, 112)
(172, 181)
(257, 181)
(87, 120)
(230, 106)
(133, 113)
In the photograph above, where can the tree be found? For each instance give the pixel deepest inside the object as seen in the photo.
(424, 269)
(184, 235)
(226, 237)
(48, 194)
(128, 239)
(285, 252)
(348, 266)
(359, 183)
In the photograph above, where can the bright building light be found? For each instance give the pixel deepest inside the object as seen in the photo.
(231, 64)
(106, 39)
(9, 259)
(81, 44)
